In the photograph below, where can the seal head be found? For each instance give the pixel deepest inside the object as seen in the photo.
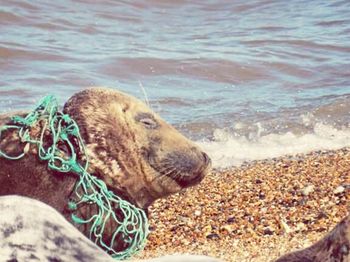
(132, 149)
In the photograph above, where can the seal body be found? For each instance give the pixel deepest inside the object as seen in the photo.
(28, 176)
(135, 152)
(334, 247)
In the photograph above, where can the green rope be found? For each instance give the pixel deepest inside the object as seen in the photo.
(133, 229)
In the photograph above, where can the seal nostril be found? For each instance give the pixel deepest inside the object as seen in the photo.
(207, 159)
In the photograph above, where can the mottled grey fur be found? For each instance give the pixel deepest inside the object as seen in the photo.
(334, 247)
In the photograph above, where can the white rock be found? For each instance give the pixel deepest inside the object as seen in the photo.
(197, 213)
(308, 190)
(339, 190)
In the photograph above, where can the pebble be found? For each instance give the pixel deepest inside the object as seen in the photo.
(285, 226)
(308, 190)
(339, 190)
(231, 220)
(268, 231)
(197, 213)
(228, 228)
(213, 236)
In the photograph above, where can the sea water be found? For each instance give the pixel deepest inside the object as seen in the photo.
(247, 80)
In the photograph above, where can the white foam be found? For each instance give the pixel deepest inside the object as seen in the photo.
(228, 149)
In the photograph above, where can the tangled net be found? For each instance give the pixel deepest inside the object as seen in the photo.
(132, 223)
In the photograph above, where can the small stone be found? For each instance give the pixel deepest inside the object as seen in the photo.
(308, 190)
(228, 228)
(285, 226)
(231, 220)
(213, 236)
(207, 229)
(322, 215)
(183, 220)
(339, 190)
(262, 195)
(197, 213)
(258, 181)
(301, 227)
(185, 242)
(268, 231)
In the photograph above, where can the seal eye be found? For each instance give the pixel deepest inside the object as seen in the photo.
(147, 120)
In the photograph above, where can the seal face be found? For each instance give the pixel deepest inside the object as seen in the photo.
(137, 154)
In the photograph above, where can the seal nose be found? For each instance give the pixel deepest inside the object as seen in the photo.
(189, 168)
(207, 160)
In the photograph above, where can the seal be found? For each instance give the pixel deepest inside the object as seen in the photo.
(25, 236)
(334, 247)
(137, 154)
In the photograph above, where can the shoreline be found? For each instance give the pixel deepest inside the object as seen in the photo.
(255, 212)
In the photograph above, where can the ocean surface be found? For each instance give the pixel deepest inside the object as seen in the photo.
(247, 80)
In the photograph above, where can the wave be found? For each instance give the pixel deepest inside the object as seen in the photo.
(226, 149)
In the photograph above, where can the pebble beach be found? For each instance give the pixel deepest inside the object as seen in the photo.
(255, 212)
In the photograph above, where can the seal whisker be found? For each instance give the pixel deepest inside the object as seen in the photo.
(168, 172)
(176, 175)
(164, 171)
